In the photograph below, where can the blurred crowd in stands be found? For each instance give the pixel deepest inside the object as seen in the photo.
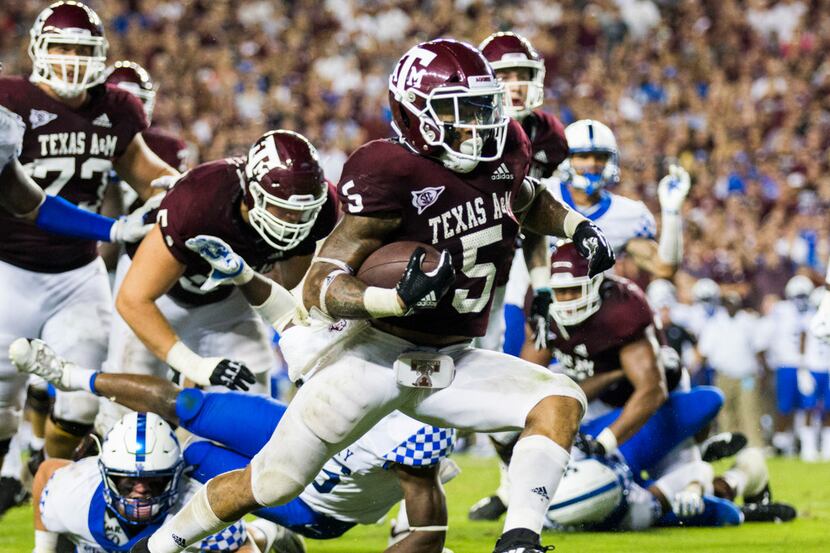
(738, 91)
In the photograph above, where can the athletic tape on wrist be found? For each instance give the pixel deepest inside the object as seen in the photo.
(540, 278)
(382, 302)
(572, 220)
(278, 308)
(428, 528)
(342, 265)
(189, 363)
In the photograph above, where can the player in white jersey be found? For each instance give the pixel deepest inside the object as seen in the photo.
(601, 493)
(399, 458)
(794, 385)
(104, 504)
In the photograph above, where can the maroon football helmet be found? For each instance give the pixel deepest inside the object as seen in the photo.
(68, 24)
(443, 91)
(569, 272)
(285, 188)
(134, 79)
(510, 51)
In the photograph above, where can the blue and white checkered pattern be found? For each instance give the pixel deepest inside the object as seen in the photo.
(424, 448)
(229, 539)
(648, 228)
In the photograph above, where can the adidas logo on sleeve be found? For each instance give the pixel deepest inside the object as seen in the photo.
(502, 173)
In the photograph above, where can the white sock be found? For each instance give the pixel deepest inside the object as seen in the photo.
(784, 441)
(195, 521)
(535, 470)
(825, 444)
(809, 443)
(36, 443)
(503, 491)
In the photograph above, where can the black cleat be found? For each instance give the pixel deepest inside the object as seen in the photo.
(12, 494)
(489, 508)
(768, 512)
(720, 446)
(764, 497)
(36, 458)
(520, 540)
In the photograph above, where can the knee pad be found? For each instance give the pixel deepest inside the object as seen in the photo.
(9, 421)
(77, 429)
(38, 400)
(288, 462)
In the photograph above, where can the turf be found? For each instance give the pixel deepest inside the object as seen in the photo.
(806, 486)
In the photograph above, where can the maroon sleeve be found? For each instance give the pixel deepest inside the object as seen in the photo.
(128, 118)
(370, 175)
(172, 220)
(517, 151)
(550, 147)
(631, 311)
(171, 149)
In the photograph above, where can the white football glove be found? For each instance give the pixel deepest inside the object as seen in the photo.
(227, 266)
(687, 503)
(165, 182)
(820, 325)
(673, 188)
(35, 357)
(12, 129)
(135, 226)
(806, 382)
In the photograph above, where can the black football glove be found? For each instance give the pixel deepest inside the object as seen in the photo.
(540, 316)
(232, 375)
(591, 244)
(420, 290)
(589, 446)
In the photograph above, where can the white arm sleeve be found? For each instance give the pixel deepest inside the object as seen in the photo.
(670, 246)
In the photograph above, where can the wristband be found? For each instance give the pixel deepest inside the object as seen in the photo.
(427, 528)
(572, 220)
(540, 278)
(278, 309)
(382, 302)
(77, 378)
(607, 439)
(324, 288)
(190, 364)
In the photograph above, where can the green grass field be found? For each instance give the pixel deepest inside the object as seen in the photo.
(806, 486)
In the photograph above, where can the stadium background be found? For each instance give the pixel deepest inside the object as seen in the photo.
(737, 91)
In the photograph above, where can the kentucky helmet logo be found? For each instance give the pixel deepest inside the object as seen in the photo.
(425, 197)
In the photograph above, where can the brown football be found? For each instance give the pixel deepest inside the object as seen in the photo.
(386, 265)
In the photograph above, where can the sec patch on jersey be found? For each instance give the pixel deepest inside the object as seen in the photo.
(385, 266)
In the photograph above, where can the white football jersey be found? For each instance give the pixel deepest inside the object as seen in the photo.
(787, 325)
(621, 219)
(72, 504)
(694, 317)
(817, 353)
(357, 485)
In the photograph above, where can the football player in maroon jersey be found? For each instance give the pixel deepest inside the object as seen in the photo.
(522, 70)
(77, 130)
(455, 179)
(271, 209)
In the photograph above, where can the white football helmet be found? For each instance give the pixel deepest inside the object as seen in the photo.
(706, 290)
(141, 445)
(569, 273)
(589, 492)
(589, 136)
(798, 290)
(68, 24)
(661, 293)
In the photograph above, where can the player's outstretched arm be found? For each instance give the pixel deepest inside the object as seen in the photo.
(139, 166)
(640, 364)
(153, 272)
(426, 510)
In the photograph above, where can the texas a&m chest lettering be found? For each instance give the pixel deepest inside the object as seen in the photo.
(77, 144)
(469, 215)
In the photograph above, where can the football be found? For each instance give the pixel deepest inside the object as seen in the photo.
(386, 265)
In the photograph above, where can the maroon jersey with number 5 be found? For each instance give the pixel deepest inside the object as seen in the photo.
(467, 214)
(206, 200)
(594, 345)
(69, 153)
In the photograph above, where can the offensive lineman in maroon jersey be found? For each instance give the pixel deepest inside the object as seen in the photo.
(271, 209)
(77, 129)
(455, 179)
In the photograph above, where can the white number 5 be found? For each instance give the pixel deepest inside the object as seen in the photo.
(471, 244)
(355, 204)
